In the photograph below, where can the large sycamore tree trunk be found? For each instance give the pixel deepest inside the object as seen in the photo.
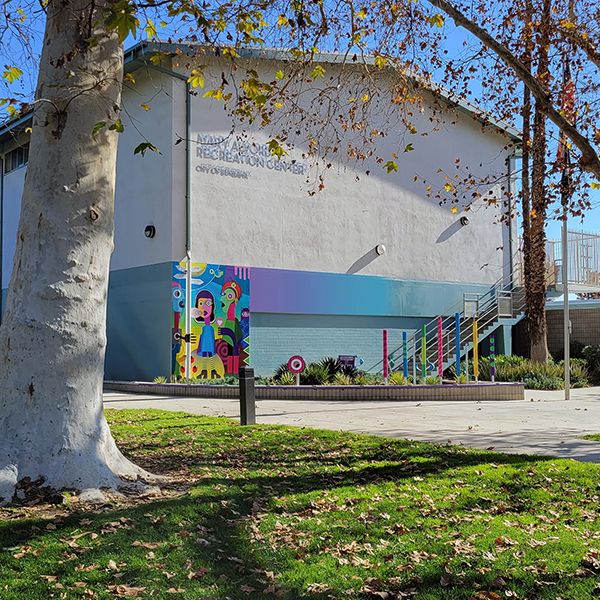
(53, 334)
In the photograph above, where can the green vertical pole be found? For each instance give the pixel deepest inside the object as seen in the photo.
(424, 353)
(405, 355)
(493, 359)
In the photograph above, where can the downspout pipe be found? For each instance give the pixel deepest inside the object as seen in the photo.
(511, 163)
(509, 205)
(188, 210)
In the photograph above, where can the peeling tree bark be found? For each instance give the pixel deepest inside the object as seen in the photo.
(52, 339)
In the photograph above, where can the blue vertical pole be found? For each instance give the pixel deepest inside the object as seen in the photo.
(457, 320)
(405, 354)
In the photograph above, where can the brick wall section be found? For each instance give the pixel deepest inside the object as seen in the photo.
(411, 393)
(585, 323)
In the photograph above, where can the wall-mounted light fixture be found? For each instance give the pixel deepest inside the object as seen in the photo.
(150, 231)
(380, 249)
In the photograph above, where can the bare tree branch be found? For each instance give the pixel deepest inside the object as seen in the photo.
(589, 160)
(584, 43)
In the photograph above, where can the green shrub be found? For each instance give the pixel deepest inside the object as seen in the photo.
(536, 376)
(511, 360)
(450, 372)
(543, 382)
(348, 370)
(331, 365)
(315, 374)
(397, 378)
(504, 363)
(531, 370)
(433, 380)
(226, 380)
(281, 369)
(364, 378)
(286, 378)
(532, 374)
(579, 372)
(160, 379)
(342, 379)
(592, 358)
(360, 378)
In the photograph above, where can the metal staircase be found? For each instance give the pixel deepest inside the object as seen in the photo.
(502, 304)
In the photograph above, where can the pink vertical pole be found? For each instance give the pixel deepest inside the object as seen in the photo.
(385, 355)
(440, 341)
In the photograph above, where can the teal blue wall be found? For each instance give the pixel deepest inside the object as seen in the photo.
(139, 323)
(282, 291)
(274, 338)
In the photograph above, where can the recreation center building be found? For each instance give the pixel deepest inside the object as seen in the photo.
(259, 258)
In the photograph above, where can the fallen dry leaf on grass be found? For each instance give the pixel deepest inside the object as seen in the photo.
(197, 574)
(126, 590)
(147, 545)
(485, 596)
(592, 560)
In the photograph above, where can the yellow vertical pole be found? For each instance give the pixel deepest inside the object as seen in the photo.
(475, 350)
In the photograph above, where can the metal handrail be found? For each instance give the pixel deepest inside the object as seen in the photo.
(487, 313)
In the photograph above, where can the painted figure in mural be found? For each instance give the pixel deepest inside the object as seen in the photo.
(230, 330)
(231, 292)
(205, 305)
(220, 327)
(206, 363)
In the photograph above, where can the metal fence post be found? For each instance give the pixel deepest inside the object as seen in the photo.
(247, 396)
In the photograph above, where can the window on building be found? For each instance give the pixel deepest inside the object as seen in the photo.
(16, 158)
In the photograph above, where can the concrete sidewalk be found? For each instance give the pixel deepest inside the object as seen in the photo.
(542, 424)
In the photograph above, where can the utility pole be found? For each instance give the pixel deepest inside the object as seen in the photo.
(568, 107)
(565, 278)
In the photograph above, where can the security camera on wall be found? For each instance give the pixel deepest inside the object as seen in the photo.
(464, 221)
(380, 249)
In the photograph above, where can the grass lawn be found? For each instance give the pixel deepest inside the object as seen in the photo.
(280, 512)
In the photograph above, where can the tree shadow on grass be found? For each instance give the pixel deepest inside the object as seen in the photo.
(156, 546)
(207, 534)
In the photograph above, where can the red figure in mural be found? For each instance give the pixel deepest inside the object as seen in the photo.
(231, 331)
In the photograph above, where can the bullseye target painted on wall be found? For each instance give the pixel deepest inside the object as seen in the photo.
(296, 364)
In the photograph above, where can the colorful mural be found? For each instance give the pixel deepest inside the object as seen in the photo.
(220, 320)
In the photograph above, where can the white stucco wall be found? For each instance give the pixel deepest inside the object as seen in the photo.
(144, 184)
(144, 189)
(269, 219)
